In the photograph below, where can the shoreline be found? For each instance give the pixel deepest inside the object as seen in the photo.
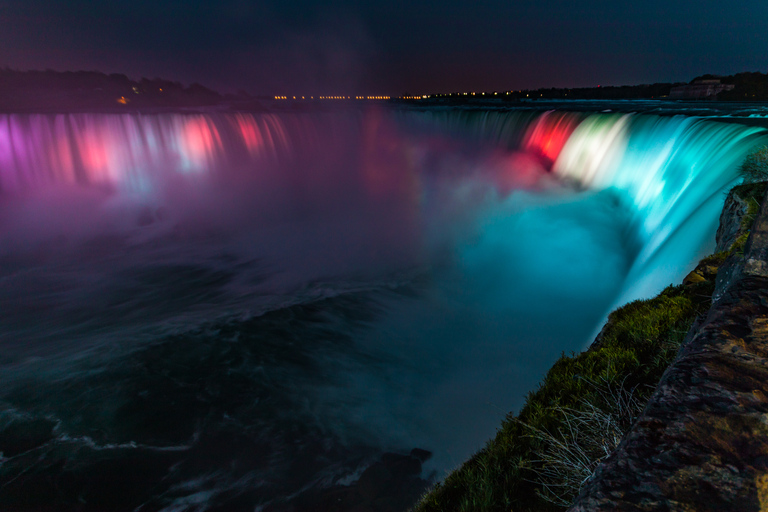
(515, 470)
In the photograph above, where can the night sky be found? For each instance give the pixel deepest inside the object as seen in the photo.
(343, 47)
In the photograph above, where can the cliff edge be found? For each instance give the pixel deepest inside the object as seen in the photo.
(674, 388)
(701, 443)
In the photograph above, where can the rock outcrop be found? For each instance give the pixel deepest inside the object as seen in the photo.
(701, 443)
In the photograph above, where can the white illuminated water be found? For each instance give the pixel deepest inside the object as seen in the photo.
(298, 292)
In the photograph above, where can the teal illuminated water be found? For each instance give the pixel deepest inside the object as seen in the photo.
(216, 311)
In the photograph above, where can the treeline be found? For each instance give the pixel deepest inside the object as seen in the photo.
(748, 86)
(88, 90)
(623, 92)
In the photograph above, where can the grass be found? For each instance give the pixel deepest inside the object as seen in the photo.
(568, 457)
(638, 344)
(539, 458)
(752, 194)
(755, 166)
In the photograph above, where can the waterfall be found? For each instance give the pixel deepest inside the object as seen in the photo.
(668, 169)
(672, 171)
(296, 293)
(669, 172)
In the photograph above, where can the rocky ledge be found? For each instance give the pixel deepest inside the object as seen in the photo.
(701, 443)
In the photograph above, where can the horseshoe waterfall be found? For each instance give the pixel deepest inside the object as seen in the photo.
(206, 310)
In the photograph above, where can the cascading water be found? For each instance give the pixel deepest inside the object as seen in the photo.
(233, 308)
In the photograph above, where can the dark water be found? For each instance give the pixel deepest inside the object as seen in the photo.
(315, 311)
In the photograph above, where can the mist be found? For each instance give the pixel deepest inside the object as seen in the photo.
(327, 286)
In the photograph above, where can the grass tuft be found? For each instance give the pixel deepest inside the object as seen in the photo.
(755, 166)
(568, 457)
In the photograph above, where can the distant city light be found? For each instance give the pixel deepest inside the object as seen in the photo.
(337, 97)
(496, 94)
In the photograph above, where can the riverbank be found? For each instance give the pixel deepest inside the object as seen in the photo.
(587, 401)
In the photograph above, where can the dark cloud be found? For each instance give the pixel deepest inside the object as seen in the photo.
(340, 46)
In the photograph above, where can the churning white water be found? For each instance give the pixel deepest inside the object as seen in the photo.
(275, 299)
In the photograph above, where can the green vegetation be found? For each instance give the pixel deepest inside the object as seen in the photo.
(540, 458)
(752, 194)
(755, 166)
(636, 346)
(749, 86)
(568, 458)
